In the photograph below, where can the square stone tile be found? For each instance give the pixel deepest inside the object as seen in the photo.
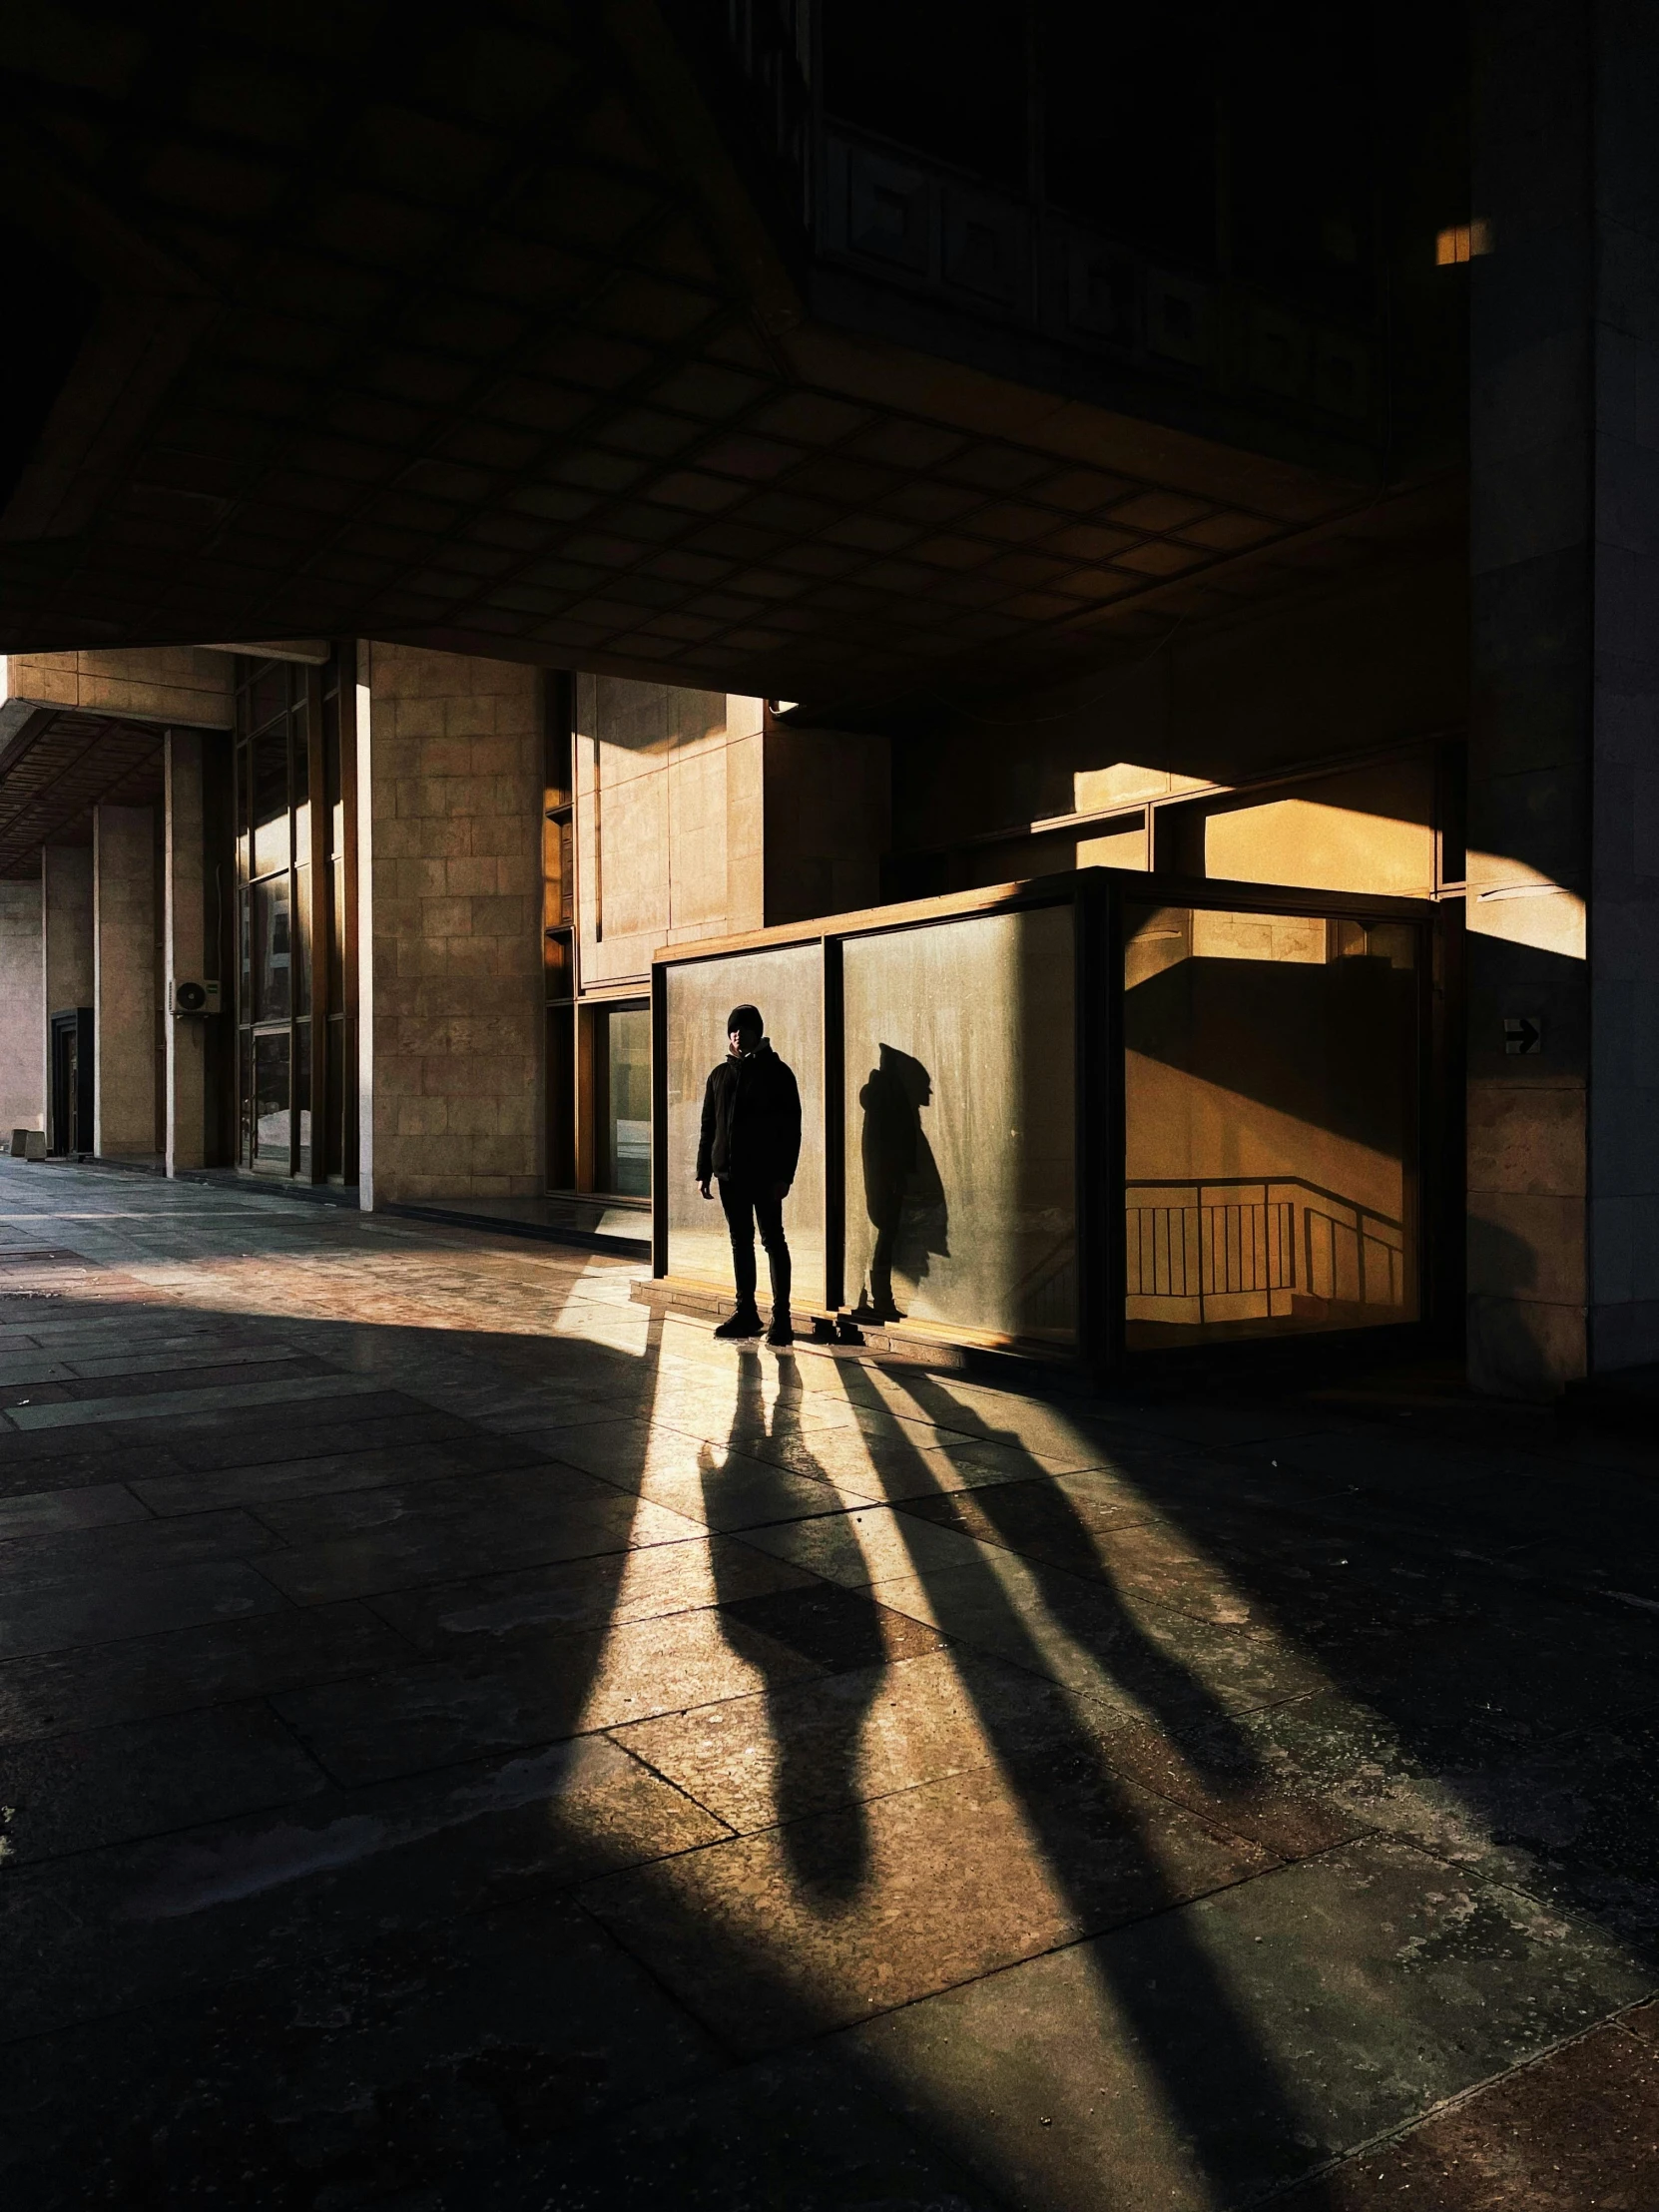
(440, 1549)
(1578, 2130)
(800, 2132)
(814, 1747)
(124, 1546)
(317, 1474)
(58, 1512)
(833, 1627)
(1144, 1661)
(456, 2059)
(107, 1608)
(875, 1465)
(1208, 2056)
(54, 1693)
(526, 1493)
(585, 1593)
(438, 1713)
(869, 1544)
(108, 1931)
(840, 1915)
(111, 1785)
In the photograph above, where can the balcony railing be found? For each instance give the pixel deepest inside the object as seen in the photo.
(1236, 1248)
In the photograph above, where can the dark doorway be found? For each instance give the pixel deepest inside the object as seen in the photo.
(71, 1101)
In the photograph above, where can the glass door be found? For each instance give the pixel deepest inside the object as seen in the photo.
(274, 910)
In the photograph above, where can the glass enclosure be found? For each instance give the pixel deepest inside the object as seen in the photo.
(993, 1127)
(1271, 1101)
(788, 987)
(959, 1113)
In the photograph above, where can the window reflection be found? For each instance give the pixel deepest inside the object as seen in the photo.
(270, 1097)
(627, 1131)
(272, 995)
(1269, 1074)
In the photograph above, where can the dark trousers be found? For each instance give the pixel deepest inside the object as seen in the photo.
(746, 1207)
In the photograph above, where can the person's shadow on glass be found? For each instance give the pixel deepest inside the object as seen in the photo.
(903, 1192)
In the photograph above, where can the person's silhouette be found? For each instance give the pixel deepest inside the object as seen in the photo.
(750, 1144)
(900, 1175)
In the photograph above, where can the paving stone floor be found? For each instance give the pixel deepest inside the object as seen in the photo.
(465, 1743)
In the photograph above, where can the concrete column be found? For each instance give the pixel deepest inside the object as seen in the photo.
(65, 951)
(124, 982)
(1564, 740)
(451, 1000)
(362, 723)
(185, 952)
(22, 1014)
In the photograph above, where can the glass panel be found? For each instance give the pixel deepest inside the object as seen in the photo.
(1270, 1076)
(303, 940)
(245, 1096)
(272, 977)
(270, 799)
(303, 1092)
(330, 756)
(270, 1099)
(334, 1101)
(245, 848)
(245, 997)
(788, 987)
(960, 1124)
(337, 931)
(627, 1101)
(267, 695)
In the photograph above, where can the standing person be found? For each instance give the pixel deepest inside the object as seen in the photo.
(749, 1145)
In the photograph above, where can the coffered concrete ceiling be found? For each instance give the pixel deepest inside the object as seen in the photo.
(417, 321)
(56, 768)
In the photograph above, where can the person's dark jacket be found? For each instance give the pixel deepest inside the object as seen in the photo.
(750, 1122)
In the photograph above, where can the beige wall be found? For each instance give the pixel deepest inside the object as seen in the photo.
(156, 684)
(452, 872)
(125, 1016)
(669, 809)
(22, 1012)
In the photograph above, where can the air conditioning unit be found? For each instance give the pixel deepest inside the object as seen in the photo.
(195, 998)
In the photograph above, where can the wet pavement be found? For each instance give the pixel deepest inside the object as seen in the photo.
(467, 1742)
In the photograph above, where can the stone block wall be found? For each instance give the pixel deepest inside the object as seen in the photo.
(453, 868)
(186, 684)
(22, 1012)
(126, 1029)
(670, 831)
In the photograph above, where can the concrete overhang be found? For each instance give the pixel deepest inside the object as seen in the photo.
(479, 340)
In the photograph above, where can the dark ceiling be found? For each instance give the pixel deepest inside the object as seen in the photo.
(57, 768)
(414, 321)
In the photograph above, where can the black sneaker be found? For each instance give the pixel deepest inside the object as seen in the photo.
(745, 1322)
(780, 1333)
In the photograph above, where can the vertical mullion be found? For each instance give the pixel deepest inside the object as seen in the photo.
(658, 1118)
(316, 921)
(296, 923)
(834, 1129)
(347, 650)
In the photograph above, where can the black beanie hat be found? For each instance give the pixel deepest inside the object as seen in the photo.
(745, 1017)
